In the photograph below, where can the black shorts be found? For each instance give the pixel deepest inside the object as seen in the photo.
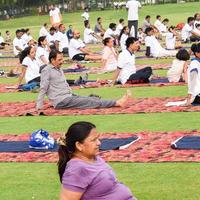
(79, 57)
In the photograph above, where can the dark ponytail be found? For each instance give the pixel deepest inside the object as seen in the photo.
(77, 132)
(40, 40)
(24, 53)
(106, 40)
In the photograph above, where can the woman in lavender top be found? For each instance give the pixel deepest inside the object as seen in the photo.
(83, 174)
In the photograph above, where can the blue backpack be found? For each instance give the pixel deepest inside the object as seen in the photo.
(40, 139)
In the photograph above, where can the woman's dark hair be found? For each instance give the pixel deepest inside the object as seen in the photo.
(86, 22)
(122, 31)
(189, 19)
(112, 25)
(77, 132)
(130, 41)
(183, 55)
(158, 16)
(53, 54)
(40, 40)
(195, 48)
(165, 20)
(106, 40)
(25, 53)
(171, 28)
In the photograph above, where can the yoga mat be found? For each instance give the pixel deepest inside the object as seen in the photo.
(106, 144)
(69, 70)
(187, 142)
(134, 106)
(153, 147)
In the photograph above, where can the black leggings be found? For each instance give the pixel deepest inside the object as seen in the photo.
(141, 75)
(196, 100)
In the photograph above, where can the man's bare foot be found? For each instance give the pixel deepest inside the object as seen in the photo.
(123, 101)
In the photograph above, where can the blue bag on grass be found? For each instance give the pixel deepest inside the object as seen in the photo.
(40, 139)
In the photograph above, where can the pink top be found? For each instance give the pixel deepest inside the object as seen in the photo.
(110, 56)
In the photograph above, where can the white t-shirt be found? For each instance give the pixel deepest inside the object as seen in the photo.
(25, 38)
(74, 46)
(55, 15)
(133, 7)
(155, 47)
(43, 32)
(194, 78)
(158, 24)
(88, 37)
(186, 32)
(63, 40)
(196, 23)
(170, 41)
(126, 62)
(17, 43)
(32, 69)
(175, 72)
(163, 28)
(51, 38)
(119, 29)
(41, 52)
(1, 39)
(123, 39)
(85, 15)
(109, 33)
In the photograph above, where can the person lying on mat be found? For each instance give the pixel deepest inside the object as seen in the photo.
(54, 85)
(30, 68)
(78, 50)
(83, 174)
(178, 69)
(194, 77)
(153, 46)
(126, 70)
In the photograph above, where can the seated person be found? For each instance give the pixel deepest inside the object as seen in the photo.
(170, 40)
(187, 33)
(158, 23)
(111, 31)
(51, 38)
(69, 33)
(44, 30)
(78, 50)
(126, 71)
(83, 174)
(98, 29)
(89, 35)
(42, 52)
(18, 44)
(147, 23)
(8, 37)
(109, 56)
(120, 26)
(178, 69)
(2, 42)
(194, 77)
(153, 46)
(54, 85)
(163, 27)
(123, 37)
(61, 40)
(30, 67)
(141, 36)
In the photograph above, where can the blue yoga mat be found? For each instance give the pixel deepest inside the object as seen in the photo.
(187, 142)
(74, 70)
(23, 146)
(160, 80)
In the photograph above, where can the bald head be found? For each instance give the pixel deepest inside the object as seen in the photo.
(76, 34)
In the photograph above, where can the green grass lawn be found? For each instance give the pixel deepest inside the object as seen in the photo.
(163, 181)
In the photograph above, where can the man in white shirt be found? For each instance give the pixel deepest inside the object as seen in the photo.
(126, 71)
(51, 38)
(61, 41)
(120, 26)
(78, 50)
(158, 23)
(187, 33)
(86, 15)
(43, 30)
(153, 46)
(132, 7)
(18, 45)
(111, 31)
(55, 16)
(89, 36)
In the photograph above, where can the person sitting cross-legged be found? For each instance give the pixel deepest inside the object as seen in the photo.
(126, 70)
(78, 50)
(54, 85)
